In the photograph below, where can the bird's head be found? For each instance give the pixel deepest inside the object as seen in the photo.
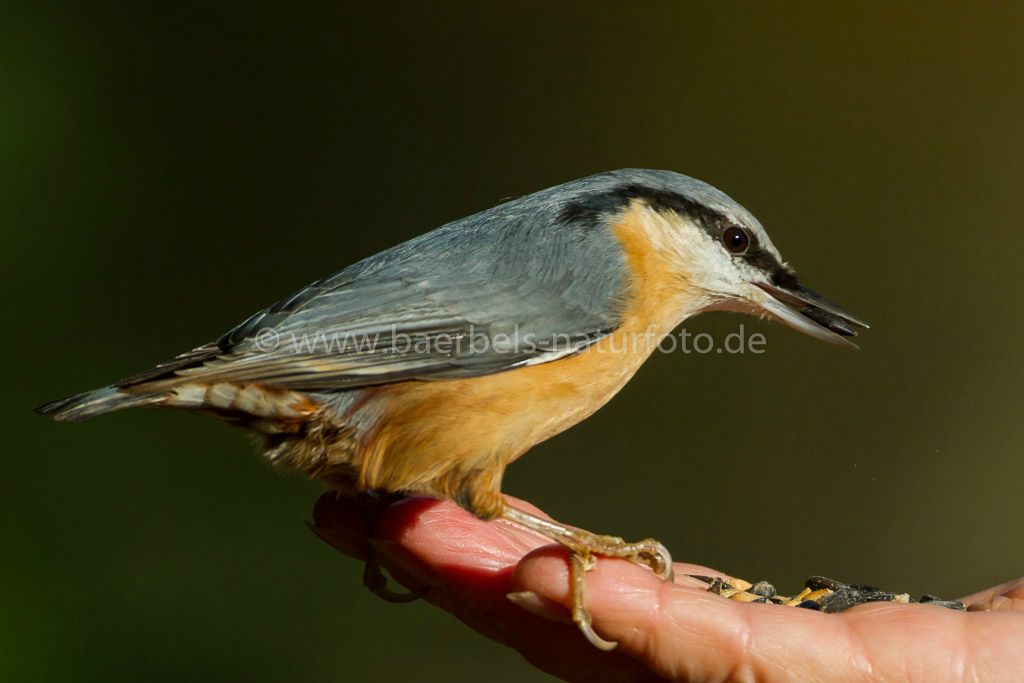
(721, 251)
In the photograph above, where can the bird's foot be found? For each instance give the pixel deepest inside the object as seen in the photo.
(377, 583)
(368, 506)
(648, 552)
(583, 547)
(819, 593)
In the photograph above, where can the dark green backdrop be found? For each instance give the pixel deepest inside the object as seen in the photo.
(166, 171)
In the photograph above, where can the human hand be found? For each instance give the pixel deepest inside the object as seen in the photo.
(674, 630)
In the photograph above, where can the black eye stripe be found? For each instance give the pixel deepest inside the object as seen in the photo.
(589, 210)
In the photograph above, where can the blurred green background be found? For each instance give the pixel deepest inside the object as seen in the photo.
(167, 170)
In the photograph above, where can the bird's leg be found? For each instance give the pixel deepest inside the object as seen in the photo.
(582, 547)
(373, 503)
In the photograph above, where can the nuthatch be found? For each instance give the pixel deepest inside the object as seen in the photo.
(428, 368)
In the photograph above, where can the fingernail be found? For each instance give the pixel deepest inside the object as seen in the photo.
(539, 606)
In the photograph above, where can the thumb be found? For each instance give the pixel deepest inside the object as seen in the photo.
(679, 630)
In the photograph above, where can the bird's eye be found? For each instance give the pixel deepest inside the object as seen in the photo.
(736, 240)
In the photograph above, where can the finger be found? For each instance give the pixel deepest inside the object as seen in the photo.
(341, 523)
(1006, 597)
(680, 631)
(677, 629)
(442, 533)
(683, 632)
(469, 564)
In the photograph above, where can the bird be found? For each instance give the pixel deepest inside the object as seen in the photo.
(428, 368)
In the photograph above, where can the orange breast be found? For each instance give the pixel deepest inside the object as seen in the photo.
(434, 436)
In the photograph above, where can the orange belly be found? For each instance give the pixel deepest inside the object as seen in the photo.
(432, 436)
(453, 438)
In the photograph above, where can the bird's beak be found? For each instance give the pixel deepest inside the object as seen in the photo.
(800, 307)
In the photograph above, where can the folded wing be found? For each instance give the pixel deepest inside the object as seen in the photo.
(510, 286)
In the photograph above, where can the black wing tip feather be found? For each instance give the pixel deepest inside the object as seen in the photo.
(55, 409)
(71, 408)
(98, 402)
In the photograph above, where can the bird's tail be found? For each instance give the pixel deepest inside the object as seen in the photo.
(97, 402)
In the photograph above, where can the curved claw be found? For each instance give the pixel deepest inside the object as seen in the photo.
(384, 593)
(377, 583)
(579, 564)
(597, 641)
(583, 547)
(659, 559)
(373, 577)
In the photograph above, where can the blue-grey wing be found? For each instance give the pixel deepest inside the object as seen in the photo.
(517, 284)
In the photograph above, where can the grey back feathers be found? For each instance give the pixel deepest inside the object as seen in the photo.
(479, 295)
(532, 279)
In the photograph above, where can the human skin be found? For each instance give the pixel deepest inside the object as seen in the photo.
(674, 631)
